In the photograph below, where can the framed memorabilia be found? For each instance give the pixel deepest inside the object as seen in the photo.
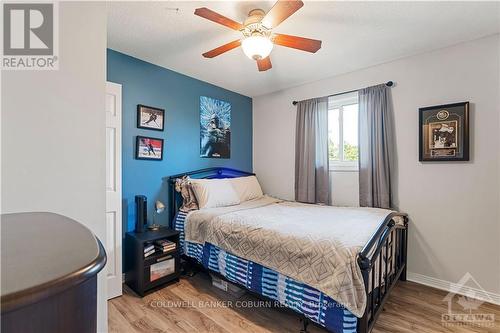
(148, 148)
(444, 132)
(215, 128)
(151, 118)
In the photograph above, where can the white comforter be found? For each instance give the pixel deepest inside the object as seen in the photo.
(316, 245)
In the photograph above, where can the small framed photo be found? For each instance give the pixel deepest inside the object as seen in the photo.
(444, 132)
(147, 148)
(151, 118)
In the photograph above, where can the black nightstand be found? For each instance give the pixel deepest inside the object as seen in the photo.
(147, 273)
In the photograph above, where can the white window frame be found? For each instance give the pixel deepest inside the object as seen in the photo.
(339, 102)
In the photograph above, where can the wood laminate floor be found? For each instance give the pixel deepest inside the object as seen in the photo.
(193, 305)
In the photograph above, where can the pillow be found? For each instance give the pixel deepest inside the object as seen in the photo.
(184, 187)
(211, 193)
(247, 188)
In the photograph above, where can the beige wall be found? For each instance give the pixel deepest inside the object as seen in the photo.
(53, 124)
(454, 207)
(344, 188)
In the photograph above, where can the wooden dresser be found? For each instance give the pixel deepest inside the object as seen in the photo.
(48, 274)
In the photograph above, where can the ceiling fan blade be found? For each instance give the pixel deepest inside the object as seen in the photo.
(264, 64)
(218, 18)
(299, 43)
(221, 49)
(281, 10)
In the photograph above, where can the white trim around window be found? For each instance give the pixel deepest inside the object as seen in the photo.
(339, 102)
(344, 166)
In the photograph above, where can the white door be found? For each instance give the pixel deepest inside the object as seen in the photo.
(114, 188)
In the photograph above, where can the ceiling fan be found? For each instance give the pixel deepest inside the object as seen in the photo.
(258, 40)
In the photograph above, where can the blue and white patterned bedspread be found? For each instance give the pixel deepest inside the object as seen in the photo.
(298, 296)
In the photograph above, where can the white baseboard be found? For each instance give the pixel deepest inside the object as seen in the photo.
(454, 287)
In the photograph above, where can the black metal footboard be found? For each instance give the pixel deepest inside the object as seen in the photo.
(383, 263)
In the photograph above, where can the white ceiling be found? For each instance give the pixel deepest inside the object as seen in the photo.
(355, 35)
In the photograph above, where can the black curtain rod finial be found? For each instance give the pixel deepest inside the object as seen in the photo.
(388, 83)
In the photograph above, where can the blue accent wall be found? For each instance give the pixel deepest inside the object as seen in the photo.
(148, 84)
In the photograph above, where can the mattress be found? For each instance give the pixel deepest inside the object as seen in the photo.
(267, 282)
(314, 244)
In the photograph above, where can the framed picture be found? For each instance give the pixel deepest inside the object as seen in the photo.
(148, 148)
(151, 118)
(215, 128)
(444, 132)
(161, 269)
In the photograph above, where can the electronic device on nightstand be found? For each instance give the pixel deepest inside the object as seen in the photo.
(141, 212)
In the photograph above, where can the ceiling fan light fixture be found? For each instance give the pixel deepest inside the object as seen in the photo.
(258, 40)
(257, 47)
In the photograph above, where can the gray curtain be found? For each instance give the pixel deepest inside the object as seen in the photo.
(376, 146)
(311, 152)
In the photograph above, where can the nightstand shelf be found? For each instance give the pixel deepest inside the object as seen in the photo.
(146, 274)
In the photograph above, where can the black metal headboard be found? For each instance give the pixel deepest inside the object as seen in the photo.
(208, 173)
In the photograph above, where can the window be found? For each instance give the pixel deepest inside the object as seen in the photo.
(343, 132)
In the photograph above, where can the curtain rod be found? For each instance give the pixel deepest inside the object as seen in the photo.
(388, 83)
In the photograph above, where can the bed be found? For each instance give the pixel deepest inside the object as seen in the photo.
(348, 289)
